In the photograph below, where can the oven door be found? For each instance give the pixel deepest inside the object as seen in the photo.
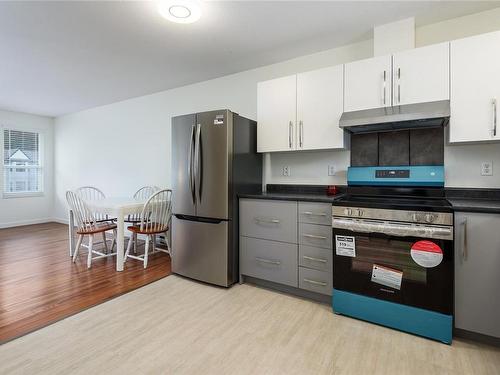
(384, 266)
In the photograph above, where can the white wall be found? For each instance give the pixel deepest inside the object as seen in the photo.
(30, 210)
(121, 146)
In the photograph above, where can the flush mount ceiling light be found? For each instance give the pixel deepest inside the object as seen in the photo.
(180, 11)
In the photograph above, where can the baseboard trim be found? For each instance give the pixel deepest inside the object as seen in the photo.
(59, 220)
(26, 222)
(479, 337)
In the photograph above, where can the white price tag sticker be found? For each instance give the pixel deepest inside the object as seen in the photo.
(345, 246)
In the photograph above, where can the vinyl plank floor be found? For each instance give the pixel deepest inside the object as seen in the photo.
(178, 326)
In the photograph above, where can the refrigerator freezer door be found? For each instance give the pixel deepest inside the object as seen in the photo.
(183, 136)
(213, 153)
(200, 250)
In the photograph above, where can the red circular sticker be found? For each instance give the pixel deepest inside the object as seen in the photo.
(426, 254)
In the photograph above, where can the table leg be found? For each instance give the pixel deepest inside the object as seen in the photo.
(119, 242)
(71, 232)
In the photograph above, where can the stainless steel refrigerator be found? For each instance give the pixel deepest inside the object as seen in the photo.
(214, 158)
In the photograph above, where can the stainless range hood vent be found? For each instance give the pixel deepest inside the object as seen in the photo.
(410, 116)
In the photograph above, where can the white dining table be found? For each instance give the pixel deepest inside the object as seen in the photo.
(114, 207)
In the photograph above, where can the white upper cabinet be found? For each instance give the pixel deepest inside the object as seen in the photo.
(475, 88)
(301, 112)
(421, 75)
(368, 84)
(319, 107)
(276, 114)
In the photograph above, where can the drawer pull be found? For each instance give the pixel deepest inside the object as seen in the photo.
(268, 261)
(269, 221)
(314, 236)
(320, 283)
(314, 213)
(314, 259)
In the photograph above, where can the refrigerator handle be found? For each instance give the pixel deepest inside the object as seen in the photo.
(190, 166)
(198, 163)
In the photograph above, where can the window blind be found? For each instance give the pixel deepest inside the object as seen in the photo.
(22, 166)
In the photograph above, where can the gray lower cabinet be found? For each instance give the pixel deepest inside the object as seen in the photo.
(316, 258)
(315, 213)
(477, 273)
(268, 219)
(269, 260)
(288, 243)
(315, 235)
(315, 281)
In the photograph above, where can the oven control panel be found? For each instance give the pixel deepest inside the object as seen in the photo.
(392, 173)
(420, 217)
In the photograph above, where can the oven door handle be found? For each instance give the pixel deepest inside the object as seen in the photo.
(393, 229)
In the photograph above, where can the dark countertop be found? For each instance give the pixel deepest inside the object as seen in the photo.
(461, 199)
(305, 197)
(475, 205)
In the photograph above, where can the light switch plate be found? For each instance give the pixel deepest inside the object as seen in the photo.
(286, 171)
(487, 168)
(331, 170)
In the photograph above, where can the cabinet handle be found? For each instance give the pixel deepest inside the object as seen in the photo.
(384, 86)
(464, 239)
(290, 128)
(399, 85)
(301, 133)
(314, 236)
(314, 213)
(315, 282)
(314, 259)
(270, 221)
(494, 104)
(268, 261)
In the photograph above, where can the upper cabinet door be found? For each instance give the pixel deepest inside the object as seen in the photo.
(421, 75)
(368, 84)
(475, 88)
(276, 114)
(319, 106)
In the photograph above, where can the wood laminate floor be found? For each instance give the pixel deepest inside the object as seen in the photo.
(40, 285)
(177, 326)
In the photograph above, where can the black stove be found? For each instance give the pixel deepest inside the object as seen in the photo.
(416, 199)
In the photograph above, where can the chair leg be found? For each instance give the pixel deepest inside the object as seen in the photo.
(105, 242)
(153, 236)
(129, 246)
(113, 243)
(146, 252)
(89, 257)
(134, 236)
(77, 247)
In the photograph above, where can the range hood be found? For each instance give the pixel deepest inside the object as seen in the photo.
(409, 116)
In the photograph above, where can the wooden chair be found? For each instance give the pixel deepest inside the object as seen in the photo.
(88, 225)
(155, 219)
(142, 194)
(91, 193)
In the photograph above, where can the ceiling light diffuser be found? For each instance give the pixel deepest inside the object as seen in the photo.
(180, 11)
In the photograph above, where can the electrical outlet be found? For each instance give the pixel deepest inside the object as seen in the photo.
(331, 170)
(487, 168)
(286, 171)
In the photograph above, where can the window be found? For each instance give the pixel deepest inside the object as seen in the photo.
(22, 167)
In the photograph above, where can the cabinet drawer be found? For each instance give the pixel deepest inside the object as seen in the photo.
(315, 213)
(316, 258)
(268, 219)
(316, 281)
(315, 235)
(269, 260)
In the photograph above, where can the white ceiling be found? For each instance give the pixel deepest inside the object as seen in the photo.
(62, 57)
